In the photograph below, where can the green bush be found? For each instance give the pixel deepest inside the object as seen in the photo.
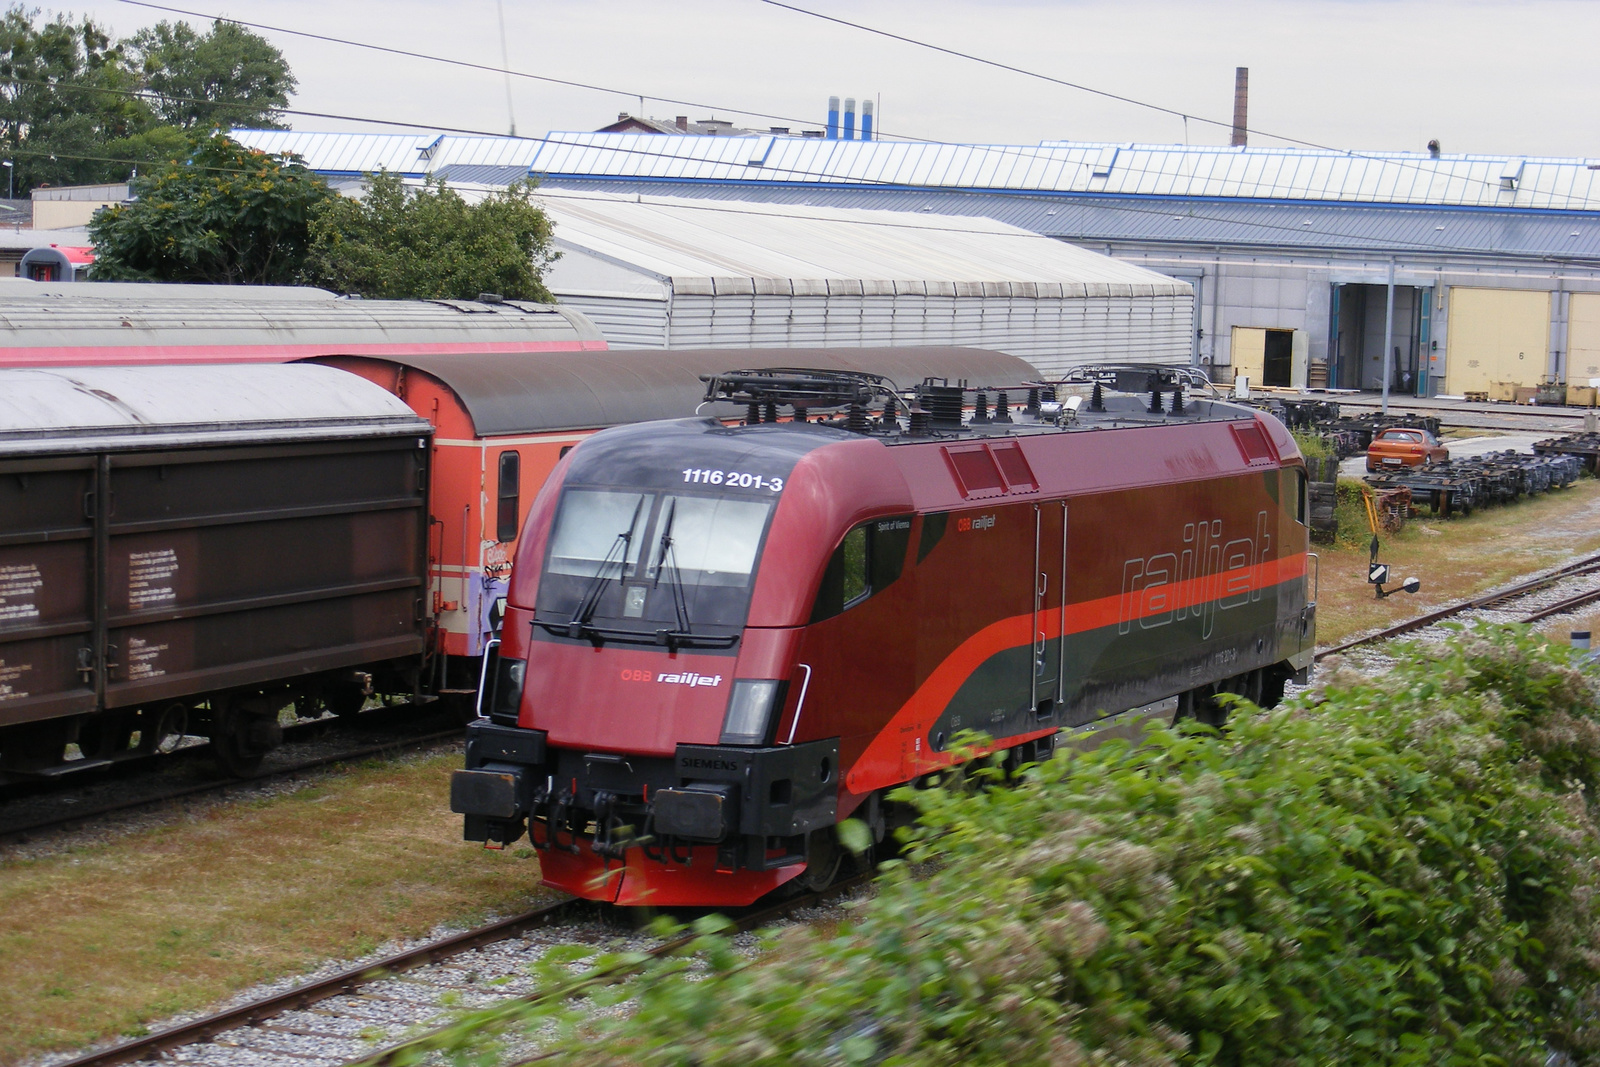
(1312, 445)
(1396, 870)
(1355, 528)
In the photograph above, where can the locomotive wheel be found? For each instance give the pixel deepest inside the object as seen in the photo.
(823, 857)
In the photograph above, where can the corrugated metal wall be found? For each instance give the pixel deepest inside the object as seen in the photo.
(625, 322)
(1054, 330)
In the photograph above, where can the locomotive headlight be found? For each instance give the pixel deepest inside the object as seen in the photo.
(506, 700)
(749, 712)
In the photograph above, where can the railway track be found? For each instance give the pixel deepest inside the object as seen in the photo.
(333, 1020)
(1496, 599)
(27, 828)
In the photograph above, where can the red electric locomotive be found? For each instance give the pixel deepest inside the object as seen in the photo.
(720, 641)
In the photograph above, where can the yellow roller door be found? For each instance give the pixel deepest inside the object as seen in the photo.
(1496, 335)
(1583, 338)
(1249, 353)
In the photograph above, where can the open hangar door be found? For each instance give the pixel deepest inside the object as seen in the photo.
(1583, 338)
(1355, 349)
(1269, 357)
(1496, 335)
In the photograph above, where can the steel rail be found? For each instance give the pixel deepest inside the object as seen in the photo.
(11, 834)
(409, 1050)
(257, 1011)
(1576, 568)
(1572, 603)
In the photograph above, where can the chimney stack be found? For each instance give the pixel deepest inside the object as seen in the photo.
(683, 123)
(849, 118)
(833, 118)
(1241, 106)
(866, 120)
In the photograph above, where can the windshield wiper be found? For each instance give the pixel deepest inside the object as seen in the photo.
(680, 603)
(591, 595)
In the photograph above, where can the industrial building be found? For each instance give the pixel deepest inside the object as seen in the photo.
(1493, 261)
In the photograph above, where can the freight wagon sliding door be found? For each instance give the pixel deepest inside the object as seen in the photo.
(47, 587)
(231, 567)
(1496, 335)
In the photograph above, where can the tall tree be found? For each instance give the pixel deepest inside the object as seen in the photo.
(56, 113)
(225, 77)
(226, 214)
(404, 242)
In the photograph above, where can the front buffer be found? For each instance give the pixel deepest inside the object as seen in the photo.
(717, 825)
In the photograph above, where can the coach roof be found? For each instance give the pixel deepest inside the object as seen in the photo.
(545, 392)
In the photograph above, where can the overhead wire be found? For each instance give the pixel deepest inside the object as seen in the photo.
(1018, 151)
(546, 192)
(1186, 116)
(823, 177)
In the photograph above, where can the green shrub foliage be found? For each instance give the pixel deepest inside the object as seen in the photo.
(1397, 869)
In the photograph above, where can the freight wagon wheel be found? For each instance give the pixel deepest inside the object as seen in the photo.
(34, 746)
(167, 730)
(344, 699)
(243, 730)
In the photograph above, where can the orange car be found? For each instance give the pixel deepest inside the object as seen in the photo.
(1404, 447)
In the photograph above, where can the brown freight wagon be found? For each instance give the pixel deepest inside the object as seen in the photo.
(190, 550)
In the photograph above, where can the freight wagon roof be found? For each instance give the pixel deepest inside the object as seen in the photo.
(582, 391)
(97, 323)
(78, 409)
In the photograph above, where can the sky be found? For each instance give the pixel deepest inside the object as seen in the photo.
(1499, 77)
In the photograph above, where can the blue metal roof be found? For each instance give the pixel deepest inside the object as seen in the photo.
(1083, 168)
(1312, 227)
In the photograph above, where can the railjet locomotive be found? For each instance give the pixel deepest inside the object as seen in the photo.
(721, 640)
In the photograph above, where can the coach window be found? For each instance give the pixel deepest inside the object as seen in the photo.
(867, 561)
(510, 497)
(1302, 506)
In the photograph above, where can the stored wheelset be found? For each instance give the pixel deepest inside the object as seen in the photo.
(722, 640)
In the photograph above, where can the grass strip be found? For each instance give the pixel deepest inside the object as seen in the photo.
(98, 941)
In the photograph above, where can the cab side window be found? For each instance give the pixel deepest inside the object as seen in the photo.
(1302, 504)
(867, 561)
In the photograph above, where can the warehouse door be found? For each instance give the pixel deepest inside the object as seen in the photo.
(1583, 338)
(1360, 317)
(1266, 356)
(1496, 335)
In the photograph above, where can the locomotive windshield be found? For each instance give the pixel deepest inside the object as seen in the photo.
(627, 563)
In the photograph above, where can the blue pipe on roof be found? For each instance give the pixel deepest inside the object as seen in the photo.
(849, 118)
(833, 118)
(866, 120)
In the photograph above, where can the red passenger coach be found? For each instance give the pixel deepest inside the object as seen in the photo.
(721, 640)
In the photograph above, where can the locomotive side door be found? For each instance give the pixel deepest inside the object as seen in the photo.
(1049, 606)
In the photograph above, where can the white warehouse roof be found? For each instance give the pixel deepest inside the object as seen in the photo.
(670, 273)
(682, 240)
